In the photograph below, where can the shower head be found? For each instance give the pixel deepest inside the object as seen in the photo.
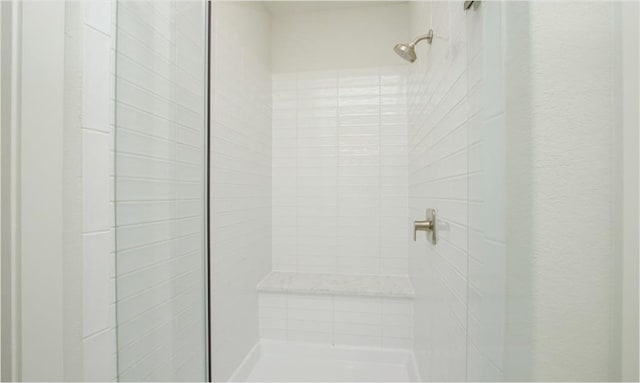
(408, 51)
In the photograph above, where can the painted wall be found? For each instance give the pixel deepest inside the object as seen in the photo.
(631, 117)
(562, 118)
(61, 143)
(64, 268)
(340, 171)
(240, 177)
(41, 155)
(342, 38)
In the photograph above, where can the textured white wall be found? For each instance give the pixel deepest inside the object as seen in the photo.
(561, 116)
(572, 152)
(631, 117)
(240, 177)
(340, 171)
(341, 38)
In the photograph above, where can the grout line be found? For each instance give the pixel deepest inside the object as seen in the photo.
(379, 202)
(97, 232)
(338, 145)
(297, 256)
(97, 333)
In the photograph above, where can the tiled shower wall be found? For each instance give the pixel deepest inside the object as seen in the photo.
(337, 320)
(438, 128)
(456, 151)
(487, 195)
(99, 343)
(340, 171)
(159, 149)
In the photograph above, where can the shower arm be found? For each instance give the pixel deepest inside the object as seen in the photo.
(428, 36)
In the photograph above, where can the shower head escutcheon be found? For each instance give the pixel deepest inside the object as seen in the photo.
(408, 51)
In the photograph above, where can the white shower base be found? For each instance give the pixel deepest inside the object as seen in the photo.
(281, 361)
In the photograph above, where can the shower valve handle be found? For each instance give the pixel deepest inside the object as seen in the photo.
(429, 226)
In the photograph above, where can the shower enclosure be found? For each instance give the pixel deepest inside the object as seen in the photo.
(296, 201)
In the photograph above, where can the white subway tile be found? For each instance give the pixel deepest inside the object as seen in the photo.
(97, 14)
(269, 333)
(309, 336)
(96, 80)
(448, 103)
(358, 340)
(100, 357)
(336, 148)
(97, 282)
(96, 181)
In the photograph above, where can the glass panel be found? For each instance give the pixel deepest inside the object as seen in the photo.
(159, 194)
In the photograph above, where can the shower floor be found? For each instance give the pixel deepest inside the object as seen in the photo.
(278, 361)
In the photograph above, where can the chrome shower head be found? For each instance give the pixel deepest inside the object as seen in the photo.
(408, 51)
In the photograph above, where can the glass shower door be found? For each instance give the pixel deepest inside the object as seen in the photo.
(160, 146)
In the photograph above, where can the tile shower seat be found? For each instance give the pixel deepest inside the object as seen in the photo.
(336, 284)
(337, 310)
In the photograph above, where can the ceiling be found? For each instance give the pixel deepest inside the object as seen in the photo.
(276, 7)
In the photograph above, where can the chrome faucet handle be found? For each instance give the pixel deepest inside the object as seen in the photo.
(429, 226)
